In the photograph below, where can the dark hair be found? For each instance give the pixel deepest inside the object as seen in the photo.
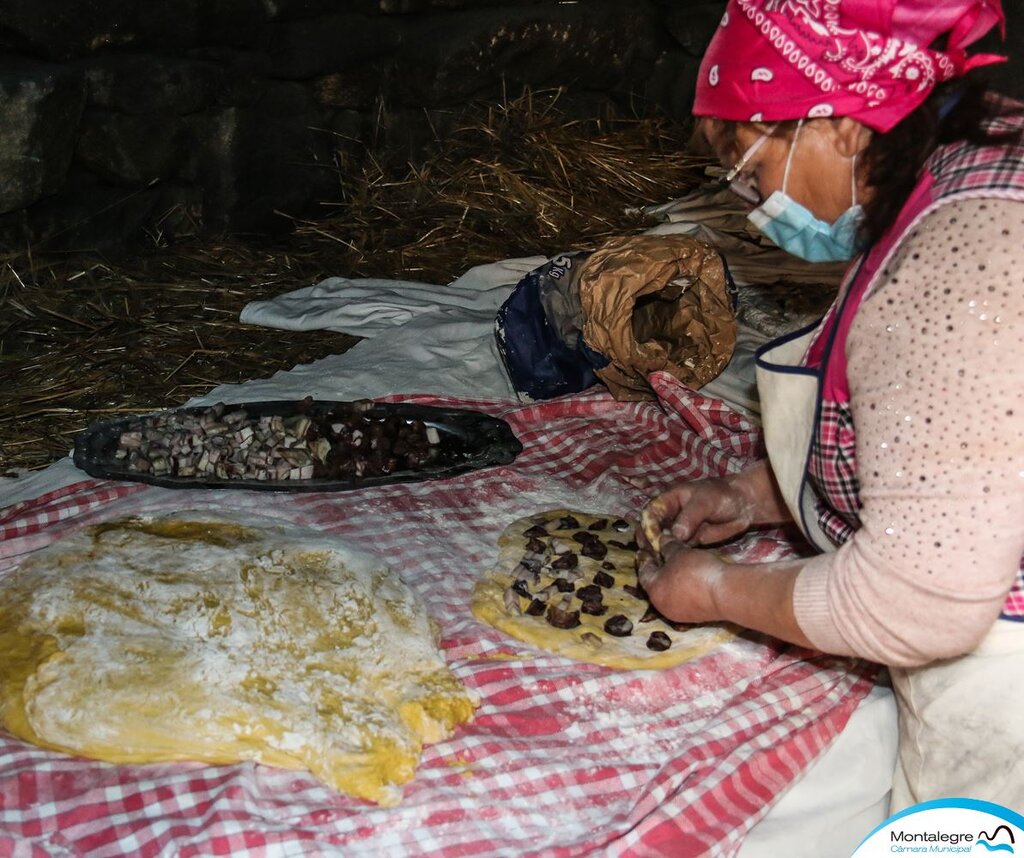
(957, 111)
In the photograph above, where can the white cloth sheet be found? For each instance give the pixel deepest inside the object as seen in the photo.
(438, 339)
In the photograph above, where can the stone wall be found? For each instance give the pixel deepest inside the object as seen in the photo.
(121, 119)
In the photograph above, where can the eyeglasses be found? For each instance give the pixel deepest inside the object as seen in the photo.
(740, 184)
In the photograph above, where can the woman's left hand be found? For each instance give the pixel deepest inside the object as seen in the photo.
(684, 586)
(694, 585)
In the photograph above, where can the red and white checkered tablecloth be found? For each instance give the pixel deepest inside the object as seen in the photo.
(562, 759)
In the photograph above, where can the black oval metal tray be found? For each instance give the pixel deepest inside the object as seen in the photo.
(469, 441)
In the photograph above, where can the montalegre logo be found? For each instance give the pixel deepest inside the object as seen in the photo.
(948, 826)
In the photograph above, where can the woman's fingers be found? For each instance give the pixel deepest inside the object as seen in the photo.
(647, 569)
(663, 514)
(712, 532)
(680, 586)
(660, 515)
(700, 510)
(698, 513)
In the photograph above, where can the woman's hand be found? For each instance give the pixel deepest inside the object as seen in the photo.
(698, 513)
(683, 587)
(694, 586)
(704, 512)
(679, 580)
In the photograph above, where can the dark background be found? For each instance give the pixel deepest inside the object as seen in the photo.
(121, 119)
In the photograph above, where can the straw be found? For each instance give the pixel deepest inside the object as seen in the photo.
(84, 339)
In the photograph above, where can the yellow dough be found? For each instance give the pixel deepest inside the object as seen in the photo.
(651, 527)
(200, 636)
(587, 641)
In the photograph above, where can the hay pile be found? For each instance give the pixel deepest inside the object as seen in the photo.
(518, 180)
(82, 339)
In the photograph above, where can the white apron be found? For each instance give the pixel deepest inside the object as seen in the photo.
(961, 721)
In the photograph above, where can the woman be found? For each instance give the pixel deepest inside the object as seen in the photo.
(895, 428)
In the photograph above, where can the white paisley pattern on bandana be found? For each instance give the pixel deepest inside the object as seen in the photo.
(791, 59)
(875, 66)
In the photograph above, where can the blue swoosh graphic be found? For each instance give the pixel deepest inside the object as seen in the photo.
(1001, 847)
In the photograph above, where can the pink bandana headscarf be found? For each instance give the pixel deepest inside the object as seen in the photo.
(868, 59)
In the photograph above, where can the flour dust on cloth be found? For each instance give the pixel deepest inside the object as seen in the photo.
(223, 638)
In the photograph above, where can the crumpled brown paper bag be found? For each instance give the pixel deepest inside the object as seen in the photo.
(657, 302)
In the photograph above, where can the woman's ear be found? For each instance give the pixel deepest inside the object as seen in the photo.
(851, 137)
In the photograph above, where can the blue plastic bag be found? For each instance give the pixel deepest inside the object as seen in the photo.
(539, 332)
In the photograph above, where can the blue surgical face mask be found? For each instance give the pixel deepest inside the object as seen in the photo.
(795, 229)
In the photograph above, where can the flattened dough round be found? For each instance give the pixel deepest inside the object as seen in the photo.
(588, 641)
(200, 636)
